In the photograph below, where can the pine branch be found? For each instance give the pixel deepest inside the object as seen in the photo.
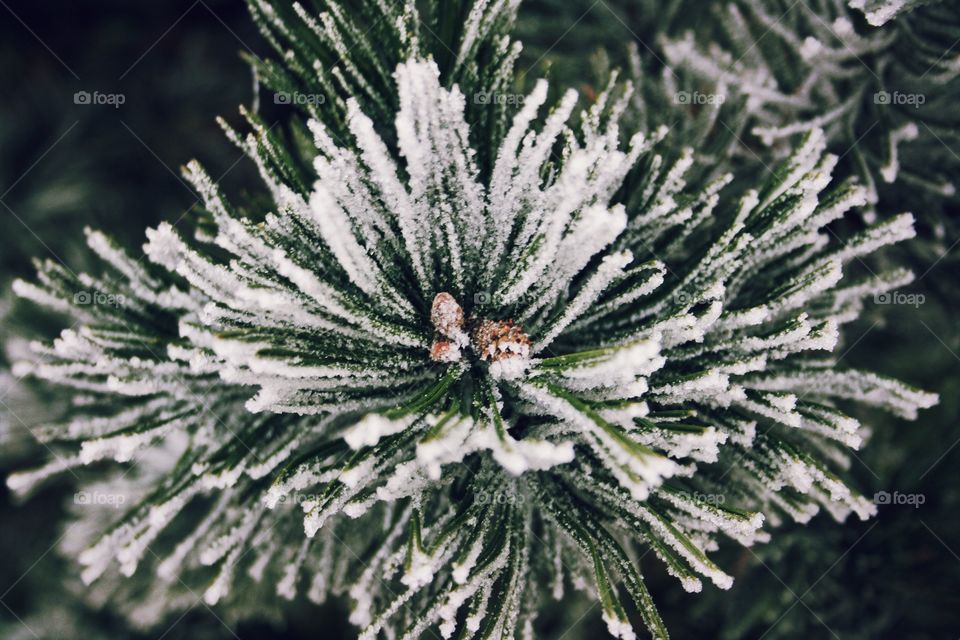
(454, 337)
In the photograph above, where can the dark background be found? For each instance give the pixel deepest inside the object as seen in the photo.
(64, 166)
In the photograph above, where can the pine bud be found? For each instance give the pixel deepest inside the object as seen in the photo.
(444, 351)
(447, 316)
(496, 340)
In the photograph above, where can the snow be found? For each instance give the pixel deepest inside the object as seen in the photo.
(372, 427)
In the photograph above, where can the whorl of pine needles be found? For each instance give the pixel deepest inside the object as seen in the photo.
(464, 362)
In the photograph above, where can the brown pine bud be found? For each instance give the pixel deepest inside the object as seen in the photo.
(444, 351)
(447, 316)
(496, 340)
